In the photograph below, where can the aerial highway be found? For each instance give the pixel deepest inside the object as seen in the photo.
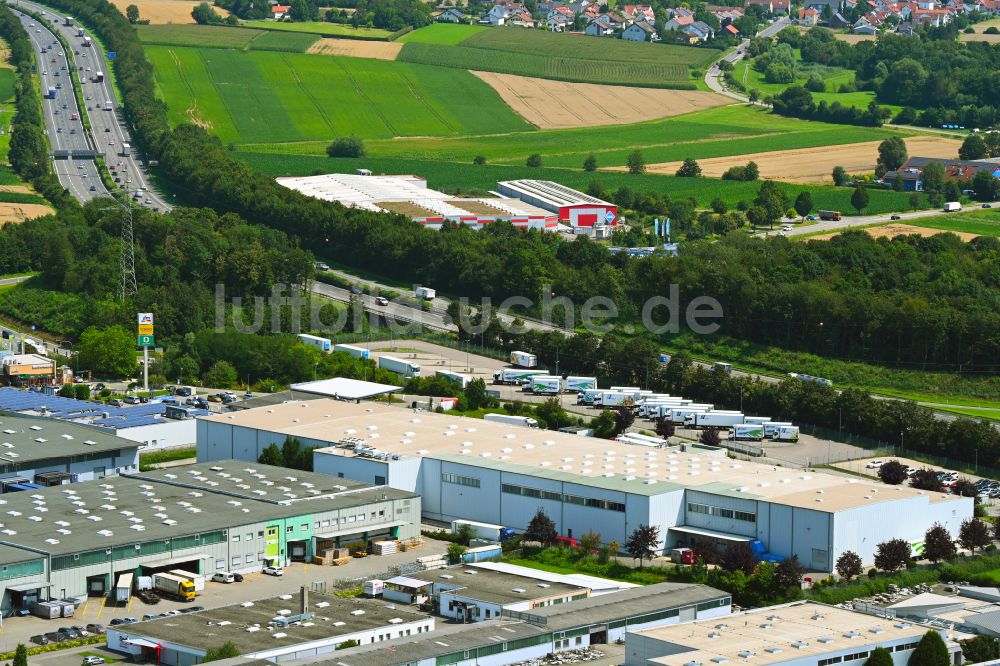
(62, 116)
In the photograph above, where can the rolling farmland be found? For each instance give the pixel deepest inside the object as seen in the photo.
(259, 96)
(225, 37)
(563, 57)
(442, 33)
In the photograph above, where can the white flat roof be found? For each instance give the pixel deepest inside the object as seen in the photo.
(394, 429)
(343, 388)
(550, 192)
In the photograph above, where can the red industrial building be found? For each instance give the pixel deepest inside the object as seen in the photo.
(574, 208)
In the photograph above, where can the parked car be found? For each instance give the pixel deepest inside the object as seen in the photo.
(70, 631)
(149, 616)
(223, 577)
(986, 205)
(238, 577)
(895, 217)
(92, 661)
(874, 464)
(95, 628)
(40, 639)
(274, 571)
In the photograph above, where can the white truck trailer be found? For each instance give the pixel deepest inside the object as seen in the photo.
(586, 396)
(515, 375)
(771, 428)
(952, 207)
(456, 378)
(546, 384)
(322, 344)
(399, 366)
(714, 419)
(196, 579)
(356, 352)
(576, 384)
(612, 398)
(123, 588)
(425, 293)
(511, 419)
(679, 415)
(486, 531)
(757, 420)
(523, 359)
(744, 432)
(786, 433)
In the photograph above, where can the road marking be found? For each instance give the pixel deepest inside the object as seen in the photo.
(104, 600)
(86, 605)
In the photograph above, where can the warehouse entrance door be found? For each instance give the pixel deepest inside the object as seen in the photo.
(297, 551)
(97, 586)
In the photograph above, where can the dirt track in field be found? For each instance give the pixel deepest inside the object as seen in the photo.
(355, 48)
(814, 165)
(557, 104)
(159, 12)
(890, 230)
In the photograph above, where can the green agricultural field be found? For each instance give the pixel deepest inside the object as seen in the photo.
(833, 77)
(453, 176)
(441, 33)
(321, 28)
(225, 37)
(6, 85)
(564, 57)
(983, 222)
(259, 96)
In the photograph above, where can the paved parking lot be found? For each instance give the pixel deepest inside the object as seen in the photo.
(254, 586)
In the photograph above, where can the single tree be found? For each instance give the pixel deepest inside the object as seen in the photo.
(751, 171)
(67, 391)
(479, 160)
(603, 424)
(590, 542)
(689, 169)
(475, 392)
(643, 542)
(879, 657)
(271, 455)
(996, 528)
(109, 352)
(624, 418)
(132, 13)
(974, 533)
(636, 163)
(719, 206)
(932, 177)
(859, 199)
(840, 177)
(930, 651)
(710, 437)
(590, 164)
(973, 148)
(203, 14)
(753, 95)
(455, 552)
(82, 391)
(803, 203)
(221, 375)
(892, 472)
(849, 565)
(980, 648)
(788, 572)
(227, 650)
(926, 479)
(541, 529)
(21, 655)
(738, 557)
(892, 153)
(966, 488)
(938, 544)
(892, 555)
(465, 533)
(664, 427)
(347, 146)
(534, 160)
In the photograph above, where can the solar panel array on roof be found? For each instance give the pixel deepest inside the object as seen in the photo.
(17, 400)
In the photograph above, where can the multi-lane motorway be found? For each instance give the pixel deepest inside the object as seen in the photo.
(108, 130)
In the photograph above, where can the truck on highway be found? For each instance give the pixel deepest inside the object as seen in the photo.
(174, 586)
(356, 352)
(98, 77)
(744, 432)
(577, 384)
(51, 94)
(546, 384)
(484, 530)
(952, 207)
(425, 293)
(86, 41)
(523, 359)
(68, 20)
(322, 344)
(79, 32)
(714, 419)
(514, 375)
(456, 378)
(830, 215)
(399, 366)
(511, 419)
(123, 588)
(126, 150)
(719, 366)
(108, 106)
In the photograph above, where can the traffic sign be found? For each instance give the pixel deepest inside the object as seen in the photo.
(145, 329)
(144, 318)
(609, 217)
(146, 341)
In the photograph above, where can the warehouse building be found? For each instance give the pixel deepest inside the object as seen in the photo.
(518, 637)
(292, 626)
(154, 425)
(49, 452)
(574, 208)
(799, 634)
(410, 196)
(501, 474)
(224, 516)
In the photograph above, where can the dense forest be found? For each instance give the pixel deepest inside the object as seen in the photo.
(952, 81)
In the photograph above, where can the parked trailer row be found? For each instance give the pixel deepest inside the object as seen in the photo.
(456, 378)
(356, 352)
(399, 366)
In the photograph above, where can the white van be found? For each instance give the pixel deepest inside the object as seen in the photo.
(223, 577)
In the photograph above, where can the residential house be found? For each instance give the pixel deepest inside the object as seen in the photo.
(617, 21)
(560, 10)
(808, 17)
(279, 12)
(768, 5)
(731, 30)
(451, 15)
(678, 22)
(699, 31)
(640, 32)
(932, 17)
(521, 18)
(497, 15)
(558, 23)
(838, 21)
(906, 29)
(634, 13)
(680, 11)
(600, 27)
(726, 15)
(988, 6)
(911, 173)
(862, 27)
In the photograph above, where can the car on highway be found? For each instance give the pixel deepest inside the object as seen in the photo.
(274, 571)
(986, 205)
(381, 300)
(93, 188)
(811, 218)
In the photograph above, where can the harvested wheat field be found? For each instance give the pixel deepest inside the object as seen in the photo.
(159, 12)
(15, 212)
(557, 104)
(854, 39)
(979, 37)
(890, 230)
(355, 48)
(813, 165)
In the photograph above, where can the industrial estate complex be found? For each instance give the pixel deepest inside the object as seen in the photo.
(501, 474)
